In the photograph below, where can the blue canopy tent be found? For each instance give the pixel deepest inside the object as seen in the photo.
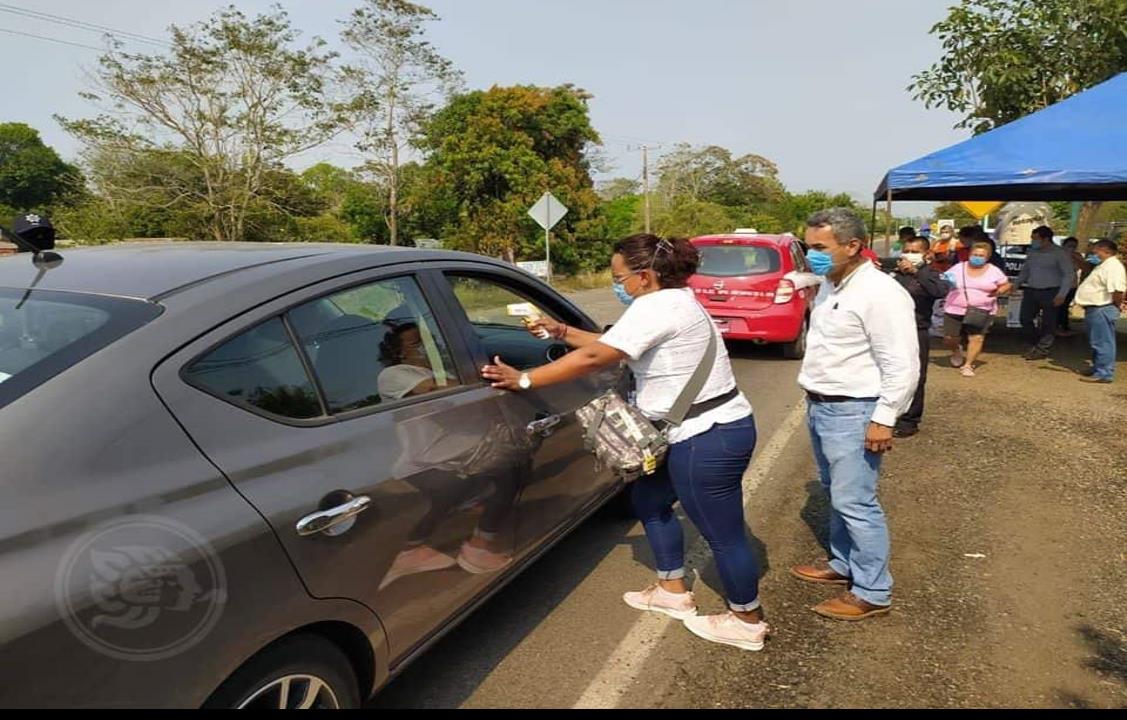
(1073, 150)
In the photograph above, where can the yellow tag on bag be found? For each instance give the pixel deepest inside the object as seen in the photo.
(649, 462)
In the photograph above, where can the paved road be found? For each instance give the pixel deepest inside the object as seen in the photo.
(559, 634)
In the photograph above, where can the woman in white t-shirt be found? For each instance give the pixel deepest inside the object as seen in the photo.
(662, 336)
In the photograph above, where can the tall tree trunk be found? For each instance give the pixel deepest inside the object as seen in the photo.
(1087, 220)
(393, 175)
(393, 196)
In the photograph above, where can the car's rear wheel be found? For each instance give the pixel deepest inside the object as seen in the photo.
(306, 672)
(796, 349)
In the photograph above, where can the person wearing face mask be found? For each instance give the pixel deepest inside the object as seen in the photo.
(976, 285)
(662, 337)
(859, 374)
(1102, 296)
(943, 249)
(914, 273)
(1082, 268)
(1045, 279)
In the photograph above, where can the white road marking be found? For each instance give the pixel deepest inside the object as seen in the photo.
(624, 666)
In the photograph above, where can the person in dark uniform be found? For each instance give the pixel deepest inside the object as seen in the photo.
(916, 275)
(35, 229)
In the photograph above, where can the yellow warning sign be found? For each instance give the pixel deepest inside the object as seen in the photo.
(980, 209)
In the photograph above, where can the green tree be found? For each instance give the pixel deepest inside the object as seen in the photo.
(616, 188)
(492, 153)
(32, 175)
(956, 212)
(232, 101)
(395, 76)
(792, 210)
(711, 174)
(622, 216)
(685, 216)
(1003, 59)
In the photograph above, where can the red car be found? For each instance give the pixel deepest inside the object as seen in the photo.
(742, 283)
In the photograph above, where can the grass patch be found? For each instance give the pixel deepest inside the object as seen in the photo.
(582, 281)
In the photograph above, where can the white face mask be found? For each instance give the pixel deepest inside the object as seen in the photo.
(917, 259)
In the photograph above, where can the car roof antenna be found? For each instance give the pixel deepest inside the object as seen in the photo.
(43, 260)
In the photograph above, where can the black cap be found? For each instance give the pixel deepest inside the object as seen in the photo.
(36, 229)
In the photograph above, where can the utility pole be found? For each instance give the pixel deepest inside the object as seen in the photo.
(646, 183)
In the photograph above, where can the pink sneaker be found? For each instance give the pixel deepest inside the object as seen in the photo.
(657, 599)
(729, 630)
(419, 559)
(478, 560)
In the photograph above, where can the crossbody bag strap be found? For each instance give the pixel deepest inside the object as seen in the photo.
(684, 401)
(965, 293)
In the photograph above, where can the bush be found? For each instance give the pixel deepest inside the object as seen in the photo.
(91, 223)
(324, 228)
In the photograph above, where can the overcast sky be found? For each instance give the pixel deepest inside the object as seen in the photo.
(818, 86)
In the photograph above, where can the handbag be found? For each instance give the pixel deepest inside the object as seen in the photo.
(625, 440)
(976, 320)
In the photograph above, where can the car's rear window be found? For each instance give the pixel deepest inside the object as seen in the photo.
(44, 332)
(737, 260)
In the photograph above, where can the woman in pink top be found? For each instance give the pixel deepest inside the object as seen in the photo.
(977, 284)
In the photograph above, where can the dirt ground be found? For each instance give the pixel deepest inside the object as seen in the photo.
(1008, 515)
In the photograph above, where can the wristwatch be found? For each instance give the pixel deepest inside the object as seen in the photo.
(525, 382)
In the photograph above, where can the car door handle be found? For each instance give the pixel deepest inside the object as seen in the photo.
(326, 521)
(541, 426)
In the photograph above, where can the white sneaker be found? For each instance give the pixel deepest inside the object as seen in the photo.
(655, 598)
(729, 630)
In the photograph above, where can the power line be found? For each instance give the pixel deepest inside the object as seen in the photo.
(80, 24)
(51, 39)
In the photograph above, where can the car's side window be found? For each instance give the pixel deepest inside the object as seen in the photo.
(260, 368)
(373, 344)
(495, 310)
(799, 258)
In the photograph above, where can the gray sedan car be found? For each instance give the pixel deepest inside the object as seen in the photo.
(267, 475)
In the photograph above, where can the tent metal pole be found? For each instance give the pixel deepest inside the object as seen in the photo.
(873, 224)
(888, 232)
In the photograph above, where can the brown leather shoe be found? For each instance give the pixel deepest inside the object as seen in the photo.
(818, 572)
(848, 606)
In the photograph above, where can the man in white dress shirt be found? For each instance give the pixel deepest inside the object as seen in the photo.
(859, 374)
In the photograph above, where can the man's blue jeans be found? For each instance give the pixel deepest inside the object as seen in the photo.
(859, 545)
(705, 473)
(1101, 336)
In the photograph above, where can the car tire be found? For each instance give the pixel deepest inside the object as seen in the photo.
(304, 659)
(796, 349)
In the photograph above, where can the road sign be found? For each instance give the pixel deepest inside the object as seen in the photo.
(980, 209)
(547, 211)
(539, 268)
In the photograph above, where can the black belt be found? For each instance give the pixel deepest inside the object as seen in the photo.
(698, 409)
(1097, 307)
(815, 397)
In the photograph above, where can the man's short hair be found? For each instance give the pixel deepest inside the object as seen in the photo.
(1106, 245)
(1044, 232)
(1071, 239)
(907, 233)
(919, 239)
(846, 224)
(971, 231)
